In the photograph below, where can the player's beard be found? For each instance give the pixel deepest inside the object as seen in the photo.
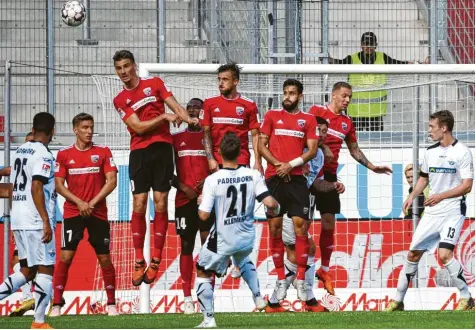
(226, 92)
(291, 107)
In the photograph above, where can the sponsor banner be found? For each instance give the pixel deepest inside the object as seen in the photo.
(82, 302)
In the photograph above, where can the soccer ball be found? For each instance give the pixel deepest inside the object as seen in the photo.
(73, 13)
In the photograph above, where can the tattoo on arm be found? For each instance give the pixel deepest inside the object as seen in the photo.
(358, 155)
(207, 142)
(323, 186)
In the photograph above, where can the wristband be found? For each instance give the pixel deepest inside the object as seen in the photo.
(296, 162)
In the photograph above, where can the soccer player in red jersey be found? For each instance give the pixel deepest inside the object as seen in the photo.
(341, 128)
(151, 161)
(91, 175)
(284, 135)
(230, 111)
(192, 169)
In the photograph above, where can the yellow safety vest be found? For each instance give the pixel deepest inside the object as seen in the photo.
(368, 104)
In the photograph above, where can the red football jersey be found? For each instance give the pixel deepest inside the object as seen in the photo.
(191, 161)
(288, 134)
(147, 102)
(341, 128)
(84, 172)
(239, 115)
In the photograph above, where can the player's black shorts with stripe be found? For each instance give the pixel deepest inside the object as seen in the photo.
(328, 202)
(292, 196)
(187, 221)
(151, 167)
(98, 230)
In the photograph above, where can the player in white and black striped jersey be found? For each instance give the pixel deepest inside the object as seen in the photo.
(448, 169)
(231, 192)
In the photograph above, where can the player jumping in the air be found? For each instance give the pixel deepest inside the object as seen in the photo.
(33, 217)
(192, 169)
(151, 161)
(230, 111)
(284, 135)
(231, 192)
(448, 169)
(85, 174)
(341, 128)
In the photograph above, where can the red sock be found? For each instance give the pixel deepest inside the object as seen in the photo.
(60, 279)
(186, 271)
(138, 234)
(277, 252)
(326, 244)
(109, 277)
(302, 250)
(161, 222)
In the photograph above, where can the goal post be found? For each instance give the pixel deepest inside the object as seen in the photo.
(371, 235)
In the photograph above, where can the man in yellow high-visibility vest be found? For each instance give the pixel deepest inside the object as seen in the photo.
(368, 108)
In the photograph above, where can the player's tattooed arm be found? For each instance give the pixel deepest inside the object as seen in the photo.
(323, 186)
(359, 156)
(264, 151)
(207, 142)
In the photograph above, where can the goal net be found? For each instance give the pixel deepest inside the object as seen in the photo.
(371, 237)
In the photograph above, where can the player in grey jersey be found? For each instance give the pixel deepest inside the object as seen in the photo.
(33, 221)
(448, 169)
(231, 192)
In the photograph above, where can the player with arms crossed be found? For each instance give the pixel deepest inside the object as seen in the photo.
(91, 175)
(341, 128)
(33, 217)
(151, 161)
(316, 184)
(448, 169)
(192, 169)
(231, 192)
(230, 111)
(284, 135)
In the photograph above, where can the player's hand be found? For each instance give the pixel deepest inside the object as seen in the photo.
(212, 165)
(13, 239)
(407, 205)
(193, 122)
(259, 167)
(189, 192)
(283, 169)
(47, 232)
(340, 188)
(433, 200)
(305, 169)
(173, 118)
(382, 170)
(84, 209)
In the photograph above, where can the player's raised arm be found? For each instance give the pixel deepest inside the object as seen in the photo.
(180, 111)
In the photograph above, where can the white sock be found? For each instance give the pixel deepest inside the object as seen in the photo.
(249, 274)
(25, 289)
(406, 274)
(43, 289)
(325, 268)
(12, 284)
(310, 273)
(457, 277)
(205, 296)
(291, 271)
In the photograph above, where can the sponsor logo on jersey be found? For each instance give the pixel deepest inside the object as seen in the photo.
(289, 132)
(84, 170)
(46, 168)
(344, 127)
(57, 167)
(121, 112)
(147, 91)
(94, 158)
(111, 162)
(193, 153)
(444, 170)
(143, 102)
(240, 111)
(335, 133)
(230, 121)
(301, 122)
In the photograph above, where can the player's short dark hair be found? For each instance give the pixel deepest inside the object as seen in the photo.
(230, 146)
(81, 117)
(341, 84)
(294, 82)
(44, 122)
(445, 117)
(123, 55)
(321, 121)
(196, 99)
(29, 134)
(233, 67)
